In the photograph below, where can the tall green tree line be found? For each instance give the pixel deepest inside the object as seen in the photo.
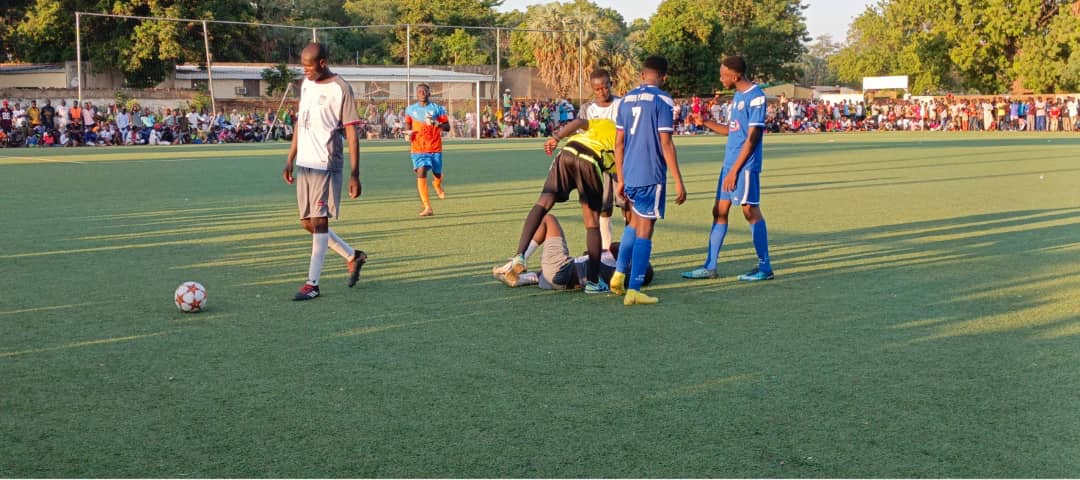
(977, 46)
(694, 35)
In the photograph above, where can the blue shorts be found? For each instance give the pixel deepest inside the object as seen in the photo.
(747, 188)
(647, 201)
(433, 162)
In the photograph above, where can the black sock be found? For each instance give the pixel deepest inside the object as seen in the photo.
(532, 223)
(592, 242)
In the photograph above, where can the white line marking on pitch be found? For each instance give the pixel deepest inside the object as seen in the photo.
(45, 159)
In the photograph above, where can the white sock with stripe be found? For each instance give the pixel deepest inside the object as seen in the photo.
(319, 243)
(338, 245)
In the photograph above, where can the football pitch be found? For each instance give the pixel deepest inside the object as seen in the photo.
(924, 320)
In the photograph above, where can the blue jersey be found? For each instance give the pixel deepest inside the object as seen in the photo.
(748, 111)
(644, 114)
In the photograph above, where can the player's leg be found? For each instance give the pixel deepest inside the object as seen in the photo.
(590, 188)
(529, 230)
(319, 241)
(639, 261)
(626, 251)
(717, 232)
(593, 245)
(606, 212)
(557, 186)
(354, 259)
(421, 165)
(752, 211)
(647, 204)
(437, 174)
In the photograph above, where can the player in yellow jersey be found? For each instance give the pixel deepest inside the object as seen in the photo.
(584, 163)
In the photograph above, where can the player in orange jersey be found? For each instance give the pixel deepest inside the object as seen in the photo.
(426, 121)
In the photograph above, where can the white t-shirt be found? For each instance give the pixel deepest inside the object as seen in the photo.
(592, 111)
(325, 110)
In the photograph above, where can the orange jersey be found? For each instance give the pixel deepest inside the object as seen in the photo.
(427, 138)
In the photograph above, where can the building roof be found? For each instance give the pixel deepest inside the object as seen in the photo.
(352, 74)
(31, 67)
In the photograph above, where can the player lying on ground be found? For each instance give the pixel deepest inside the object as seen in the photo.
(558, 270)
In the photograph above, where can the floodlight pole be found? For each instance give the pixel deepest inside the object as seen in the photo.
(408, 63)
(209, 69)
(580, 67)
(78, 56)
(314, 35)
(498, 65)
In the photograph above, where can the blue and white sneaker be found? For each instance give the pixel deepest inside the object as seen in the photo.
(598, 287)
(756, 275)
(699, 274)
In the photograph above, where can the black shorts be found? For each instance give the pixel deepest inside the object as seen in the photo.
(569, 172)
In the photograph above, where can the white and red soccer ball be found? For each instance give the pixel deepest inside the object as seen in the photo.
(190, 297)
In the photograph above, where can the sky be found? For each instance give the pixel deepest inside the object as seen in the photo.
(830, 17)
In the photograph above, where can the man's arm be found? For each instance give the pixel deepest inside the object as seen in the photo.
(667, 146)
(561, 133)
(353, 140)
(289, 160)
(620, 137)
(711, 125)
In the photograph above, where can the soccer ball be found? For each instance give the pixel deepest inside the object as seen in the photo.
(190, 297)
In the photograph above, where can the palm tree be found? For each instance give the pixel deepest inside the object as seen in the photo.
(603, 45)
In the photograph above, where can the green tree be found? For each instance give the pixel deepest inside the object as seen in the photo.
(278, 78)
(1050, 61)
(694, 36)
(428, 42)
(814, 64)
(461, 48)
(557, 31)
(975, 45)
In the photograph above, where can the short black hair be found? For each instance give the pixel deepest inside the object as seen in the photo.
(426, 86)
(735, 63)
(600, 73)
(657, 64)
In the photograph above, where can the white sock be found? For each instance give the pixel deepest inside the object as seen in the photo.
(532, 248)
(319, 243)
(338, 245)
(605, 233)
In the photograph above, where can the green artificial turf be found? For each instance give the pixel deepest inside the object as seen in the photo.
(924, 320)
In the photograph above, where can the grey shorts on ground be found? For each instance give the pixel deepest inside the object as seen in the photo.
(556, 266)
(318, 192)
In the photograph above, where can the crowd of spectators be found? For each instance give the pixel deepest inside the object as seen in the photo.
(70, 125)
(65, 125)
(1027, 114)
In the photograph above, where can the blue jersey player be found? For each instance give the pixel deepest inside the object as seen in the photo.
(738, 181)
(644, 153)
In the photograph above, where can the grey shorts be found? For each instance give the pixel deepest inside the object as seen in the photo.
(318, 192)
(556, 266)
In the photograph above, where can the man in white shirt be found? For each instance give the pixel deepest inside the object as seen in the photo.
(327, 110)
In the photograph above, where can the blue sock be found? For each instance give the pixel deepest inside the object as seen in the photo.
(716, 240)
(761, 244)
(642, 252)
(626, 249)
